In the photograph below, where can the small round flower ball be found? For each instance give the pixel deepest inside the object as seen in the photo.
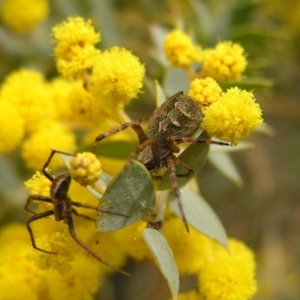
(116, 79)
(229, 276)
(21, 16)
(11, 128)
(226, 61)
(179, 49)
(233, 117)
(37, 147)
(75, 50)
(85, 168)
(205, 91)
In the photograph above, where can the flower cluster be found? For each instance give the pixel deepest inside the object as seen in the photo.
(230, 115)
(226, 61)
(75, 50)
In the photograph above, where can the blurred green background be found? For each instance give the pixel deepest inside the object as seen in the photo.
(265, 212)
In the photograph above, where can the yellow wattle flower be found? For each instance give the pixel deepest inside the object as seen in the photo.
(229, 276)
(85, 168)
(205, 91)
(226, 61)
(179, 49)
(75, 50)
(233, 117)
(116, 79)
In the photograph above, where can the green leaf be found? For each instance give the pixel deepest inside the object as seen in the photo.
(115, 149)
(131, 193)
(224, 163)
(200, 215)
(195, 155)
(248, 84)
(164, 258)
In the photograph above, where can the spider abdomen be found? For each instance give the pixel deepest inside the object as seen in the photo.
(180, 115)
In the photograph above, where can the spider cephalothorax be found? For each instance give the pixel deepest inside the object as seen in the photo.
(174, 122)
(63, 208)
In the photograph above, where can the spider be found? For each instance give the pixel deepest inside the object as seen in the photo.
(63, 208)
(174, 122)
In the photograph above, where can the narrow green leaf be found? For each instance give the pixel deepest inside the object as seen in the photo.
(223, 162)
(200, 215)
(195, 155)
(164, 258)
(131, 193)
(248, 84)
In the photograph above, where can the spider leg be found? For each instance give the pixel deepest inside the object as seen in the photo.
(184, 165)
(178, 139)
(35, 218)
(135, 126)
(172, 170)
(76, 213)
(37, 198)
(80, 243)
(78, 204)
(44, 171)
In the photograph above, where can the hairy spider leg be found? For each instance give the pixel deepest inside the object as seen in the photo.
(178, 139)
(134, 125)
(172, 172)
(35, 218)
(44, 171)
(84, 205)
(38, 198)
(79, 242)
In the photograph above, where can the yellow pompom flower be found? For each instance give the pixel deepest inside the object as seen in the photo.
(59, 242)
(85, 168)
(229, 276)
(37, 147)
(23, 15)
(11, 128)
(75, 50)
(28, 92)
(179, 49)
(205, 91)
(225, 62)
(117, 78)
(233, 116)
(187, 248)
(80, 283)
(18, 265)
(19, 277)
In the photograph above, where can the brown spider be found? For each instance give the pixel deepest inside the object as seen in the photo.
(63, 208)
(174, 122)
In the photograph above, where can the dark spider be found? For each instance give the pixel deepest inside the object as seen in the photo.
(63, 208)
(174, 122)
